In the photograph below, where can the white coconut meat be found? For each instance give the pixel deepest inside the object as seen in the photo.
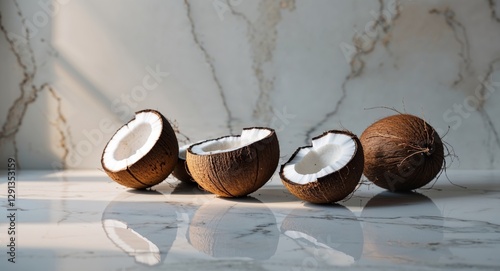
(183, 149)
(132, 141)
(230, 143)
(328, 154)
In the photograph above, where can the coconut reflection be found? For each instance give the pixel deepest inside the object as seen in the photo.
(331, 235)
(243, 228)
(402, 228)
(142, 225)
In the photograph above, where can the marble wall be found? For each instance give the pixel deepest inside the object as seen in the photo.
(72, 71)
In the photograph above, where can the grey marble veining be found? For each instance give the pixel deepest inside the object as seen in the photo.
(83, 220)
(74, 71)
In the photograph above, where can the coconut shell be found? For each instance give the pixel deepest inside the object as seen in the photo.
(334, 186)
(153, 167)
(181, 173)
(402, 152)
(238, 172)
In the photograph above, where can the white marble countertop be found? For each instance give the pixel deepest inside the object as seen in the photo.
(81, 220)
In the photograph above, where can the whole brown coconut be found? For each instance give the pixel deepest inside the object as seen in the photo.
(143, 152)
(402, 152)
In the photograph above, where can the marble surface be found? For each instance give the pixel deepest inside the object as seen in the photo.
(81, 220)
(72, 71)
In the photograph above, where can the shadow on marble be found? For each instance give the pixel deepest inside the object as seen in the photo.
(470, 186)
(266, 194)
(176, 187)
(403, 228)
(331, 235)
(397, 199)
(274, 194)
(466, 188)
(235, 228)
(142, 224)
(184, 188)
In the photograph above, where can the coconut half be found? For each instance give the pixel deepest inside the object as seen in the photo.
(143, 152)
(327, 171)
(235, 166)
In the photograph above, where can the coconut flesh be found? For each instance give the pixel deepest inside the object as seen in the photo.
(327, 171)
(234, 166)
(142, 152)
(327, 155)
(230, 143)
(132, 142)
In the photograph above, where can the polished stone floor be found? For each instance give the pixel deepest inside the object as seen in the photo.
(81, 220)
